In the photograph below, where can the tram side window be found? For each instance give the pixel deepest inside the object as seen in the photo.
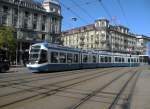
(76, 58)
(116, 59)
(69, 58)
(141, 60)
(134, 59)
(62, 57)
(106, 59)
(131, 60)
(54, 57)
(85, 58)
(43, 56)
(122, 59)
(102, 59)
(109, 59)
(128, 59)
(94, 59)
(119, 59)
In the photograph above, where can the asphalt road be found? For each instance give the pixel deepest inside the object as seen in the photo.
(101, 88)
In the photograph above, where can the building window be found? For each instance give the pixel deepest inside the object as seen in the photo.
(15, 21)
(52, 9)
(4, 19)
(102, 23)
(43, 27)
(35, 26)
(44, 18)
(26, 14)
(5, 9)
(25, 24)
(35, 16)
(43, 36)
(16, 11)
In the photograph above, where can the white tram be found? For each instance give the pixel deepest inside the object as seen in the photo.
(45, 57)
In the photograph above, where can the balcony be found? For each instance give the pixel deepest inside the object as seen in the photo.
(96, 42)
(103, 40)
(82, 38)
(82, 43)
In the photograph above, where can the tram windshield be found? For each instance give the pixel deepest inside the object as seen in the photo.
(33, 57)
(34, 54)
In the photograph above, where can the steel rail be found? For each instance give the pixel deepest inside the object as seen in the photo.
(53, 91)
(43, 77)
(116, 99)
(90, 95)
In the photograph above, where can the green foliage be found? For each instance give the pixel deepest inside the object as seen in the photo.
(7, 39)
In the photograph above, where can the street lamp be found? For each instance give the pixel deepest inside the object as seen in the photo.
(74, 19)
(18, 31)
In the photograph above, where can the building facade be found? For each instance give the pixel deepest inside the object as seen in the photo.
(102, 36)
(33, 22)
(142, 44)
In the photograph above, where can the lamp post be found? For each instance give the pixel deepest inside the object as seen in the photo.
(18, 31)
(74, 19)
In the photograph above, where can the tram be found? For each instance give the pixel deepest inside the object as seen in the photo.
(44, 57)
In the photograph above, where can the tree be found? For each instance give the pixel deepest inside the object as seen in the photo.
(7, 40)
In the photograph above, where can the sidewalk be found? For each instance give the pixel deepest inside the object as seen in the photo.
(18, 69)
(16, 66)
(141, 96)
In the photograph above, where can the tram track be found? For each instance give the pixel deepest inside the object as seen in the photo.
(41, 77)
(95, 92)
(44, 77)
(117, 96)
(31, 88)
(28, 75)
(49, 92)
(116, 99)
(131, 86)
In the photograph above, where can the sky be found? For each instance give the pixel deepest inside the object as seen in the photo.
(134, 14)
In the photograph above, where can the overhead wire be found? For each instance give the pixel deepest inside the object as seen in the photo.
(83, 10)
(73, 12)
(105, 9)
(123, 12)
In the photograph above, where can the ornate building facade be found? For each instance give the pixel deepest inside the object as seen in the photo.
(102, 36)
(33, 22)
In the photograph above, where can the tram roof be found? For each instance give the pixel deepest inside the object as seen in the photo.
(65, 48)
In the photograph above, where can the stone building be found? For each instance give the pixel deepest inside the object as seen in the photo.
(33, 22)
(101, 36)
(142, 46)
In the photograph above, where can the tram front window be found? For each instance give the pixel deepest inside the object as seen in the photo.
(33, 57)
(43, 57)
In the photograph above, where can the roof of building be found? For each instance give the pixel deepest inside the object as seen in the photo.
(143, 37)
(52, 1)
(33, 4)
(29, 1)
(80, 29)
